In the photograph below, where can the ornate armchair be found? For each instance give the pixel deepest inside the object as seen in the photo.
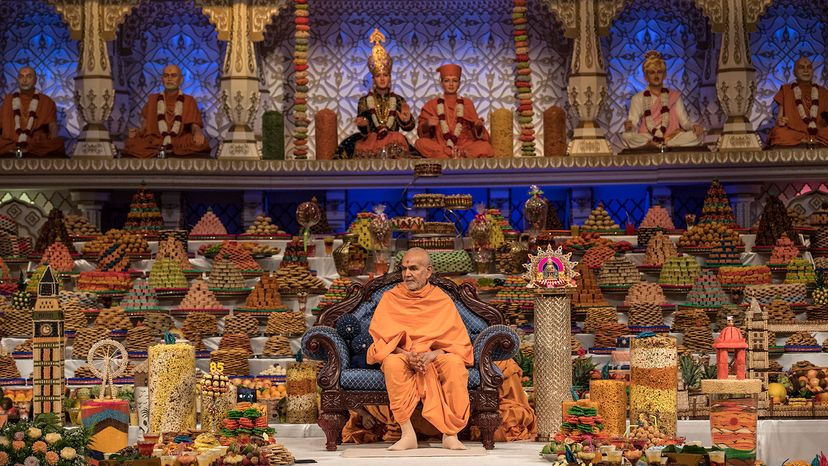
(345, 387)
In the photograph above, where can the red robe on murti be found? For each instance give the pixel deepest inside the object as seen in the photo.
(40, 143)
(147, 143)
(432, 144)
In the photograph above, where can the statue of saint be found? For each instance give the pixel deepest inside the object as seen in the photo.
(449, 126)
(657, 115)
(803, 110)
(29, 120)
(381, 114)
(172, 123)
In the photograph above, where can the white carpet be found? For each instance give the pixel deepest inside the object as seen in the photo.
(424, 450)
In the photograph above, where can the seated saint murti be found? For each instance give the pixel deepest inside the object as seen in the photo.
(172, 123)
(29, 120)
(803, 110)
(448, 125)
(381, 114)
(657, 115)
(423, 348)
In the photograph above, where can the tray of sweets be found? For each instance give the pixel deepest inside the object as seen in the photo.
(229, 292)
(211, 237)
(666, 307)
(178, 312)
(22, 354)
(251, 236)
(649, 268)
(803, 349)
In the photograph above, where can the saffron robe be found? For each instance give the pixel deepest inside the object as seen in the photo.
(147, 143)
(679, 127)
(796, 130)
(432, 144)
(40, 143)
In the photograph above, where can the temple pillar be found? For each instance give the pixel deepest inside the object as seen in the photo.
(662, 196)
(93, 23)
(171, 210)
(711, 114)
(240, 23)
(336, 208)
(743, 201)
(735, 84)
(252, 205)
(90, 203)
(580, 205)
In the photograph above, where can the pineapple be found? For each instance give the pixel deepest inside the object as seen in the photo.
(582, 371)
(820, 294)
(691, 371)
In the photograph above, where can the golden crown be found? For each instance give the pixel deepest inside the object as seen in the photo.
(379, 62)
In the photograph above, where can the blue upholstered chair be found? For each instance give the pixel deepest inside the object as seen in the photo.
(346, 386)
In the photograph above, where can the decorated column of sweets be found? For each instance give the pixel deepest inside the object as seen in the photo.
(172, 388)
(660, 248)
(523, 80)
(783, 251)
(166, 274)
(140, 299)
(716, 208)
(301, 121)
(611, 396)
(173, 249)
(618, 272)
(225, 276)
(58, 257)
(301, 392)
(773, 222)
(679, 272)
(600, 220)
(265, 296)
(295, 253)
(52, 231)
(654, 382)
(800, 271)
(200, 299)
(208, 226)
(240, 256)
(144, 217)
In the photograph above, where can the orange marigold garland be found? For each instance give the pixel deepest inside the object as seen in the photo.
(300, 67)
(523, 81)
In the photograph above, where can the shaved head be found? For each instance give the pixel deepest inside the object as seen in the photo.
(26, 78)
(804, 70)
(172, 78)
(416, 268)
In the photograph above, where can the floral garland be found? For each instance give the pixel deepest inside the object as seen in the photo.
(810, 118)
(523, 81)
(387, 119)
(300, 67)
(658, 132)
(460, 111)
(161, 109)
(24, 133)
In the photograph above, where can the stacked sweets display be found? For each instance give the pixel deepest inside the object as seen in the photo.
(660, 248)
(748, 275)
(79, 226)
(265, 296)
(515, 301)
(679, 271)
(200, 298)
(645, 292)
(141, 298)
(657, 220)
(587, 294)
(800, 271)
(54, 230)
(336, 293)
(208, 225)
(783, 251)
(707, 292)
(618, 272)
(113, 259)
(58, 257)
(773, 222)
(706, 236)
(225, 276)
(600, 220)
(263, 226)
(716, 208)
(726, 253)
(173, 249)
(295, 253)
(239, 255)
(167, 274)
(654, 382)
(144, 216)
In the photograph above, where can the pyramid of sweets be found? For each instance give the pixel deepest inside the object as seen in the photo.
(553, 220)
(800, 270)
(265, 295)
(794, 293)
(52, 231)
(595, 257)
(135, 244)
(286, 323)
(167, 274)
(141, 298)
(295, 277)
(646, 315)
(104, 281)
(361, 228)
(208, 225)
(458, 201)
(225, 275)
(14, 246)
(797, 218)
(737, 313)
(406, 223)
(514, 291)
(819, 218)
(599, 220)
(200, 298)
(783, 251)
(779, 312)
(236, 341)
(657, 217)
(659, 249)
(686, 318)
(716, 208)
(263, 226)
(139, 338)
(73, 316)
(78, 225)
(819, 240)
(241, 323)
(101, 242)
(234, 360)
(58, 257)
(173, 249)
(645, 293)
(748, 275)
(113, 318)
(679, 271)
(598, 316)
(606, 334)
(618, 271)
(87, 300)
(85, 338)
(295, 253)
(198, 325)
(698, 339)
(34, 282)
(277, 345)
(773, 222)
(586, 241)
(240, 256)
(707, 292)
(708, 235)
(18, 322)
(144, 216)
(427, 201)
(496, 217)
(724, 253)
(336, 293)
(113, 259)
(158, 322)
(25, 347)
(801, 339)
(8, 366)
(587, 294)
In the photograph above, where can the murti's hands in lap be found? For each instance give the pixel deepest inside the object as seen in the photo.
(628, 125)
(405, 113)
(698, 129)
(361, 121)
(782, 121)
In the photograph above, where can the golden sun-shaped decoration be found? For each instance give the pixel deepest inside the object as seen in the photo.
(551, 269)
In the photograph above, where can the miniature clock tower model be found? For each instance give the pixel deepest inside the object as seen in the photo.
(48, 348)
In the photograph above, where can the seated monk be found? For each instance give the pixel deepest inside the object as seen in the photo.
(380, 115)
(424, 348)
(172, 123)
(803, 110)
(448, 126)
(29, 120)
(376, 423)
(657, 115)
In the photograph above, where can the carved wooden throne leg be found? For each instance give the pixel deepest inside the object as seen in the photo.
(332, 424)
(488, 422)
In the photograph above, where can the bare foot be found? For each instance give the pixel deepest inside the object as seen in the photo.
(404, 443)
(450, 442)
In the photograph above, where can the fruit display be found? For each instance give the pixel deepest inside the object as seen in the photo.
(660, 248)
(654, 382)
(167, 274)
(716, 207)
(707, 292)
(225, 276)
(783, 251)
(773, 222)
(587, 294)
(726, 253)
(599, 220)
(104, 281)
(263, 226)
(800, 271)
(645, 293)
(58, 257)
(657, 217)
(596, 256)
(709, 235)
(750, 275)
(144, 217)
(200, 298)
(679, 271)
(295, 254)
(54, 230)
(172, 249)
(294, 278)
(141, 298)
(78, 225)
(208, 225)
(618, 271)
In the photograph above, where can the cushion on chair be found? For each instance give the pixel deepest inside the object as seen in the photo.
(372, 379)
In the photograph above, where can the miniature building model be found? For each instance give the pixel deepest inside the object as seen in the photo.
(730, 339)
(48, 348)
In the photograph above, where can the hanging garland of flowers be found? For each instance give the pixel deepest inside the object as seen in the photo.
(523, 81)
(300, 67)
